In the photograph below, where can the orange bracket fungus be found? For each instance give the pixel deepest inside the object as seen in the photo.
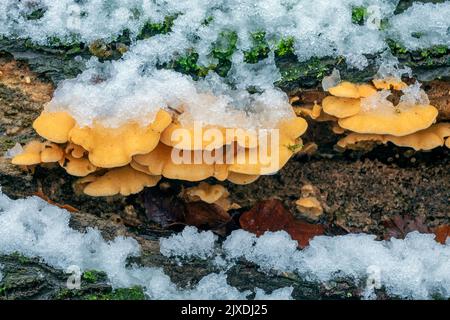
(54, 126)
(125, 158)
(371, 117)
(114, 147)
(124, 181)
(427, 139)
(36, 152)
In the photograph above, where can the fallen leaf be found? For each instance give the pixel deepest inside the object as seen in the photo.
(162, 207)
(442, 233)
(67, 207)
(205, 215)
(271, 215)
(166, 209)
(400, 226)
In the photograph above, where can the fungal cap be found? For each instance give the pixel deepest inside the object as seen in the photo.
(114, 147)
(341, 107)
(162, 121)
(242, 179)
(309, 205)
(337, 129)
(155, 160)
(345, 89)
(313, 112)
(54, 126)
(207, 193)
(293, 127)
(220, 171)
(31, 154)
(139, 167)
(427, 139)
(366, 90)
(351, 141)
(78, 167)
(124, 181)
(36, 152)
(208, 138)
(51, 152)
(75, 150)
(404, 122)
(249, 161)
(187, 138)
(388, 83)
(188, 172)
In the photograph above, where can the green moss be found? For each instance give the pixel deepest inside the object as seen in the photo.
(3, 291)
(396, 48)
(359, 14)
(93, 276)
(133, 293)
(187, 64)
(260, 49)
(225, 45)
(222, 50)
(65, 293)
(285, 47)
(36, 14)
(435, 51)
(150, 28)
(100, 49)
(295, 147)
(6, 143)
(20, 258)
(207, 21)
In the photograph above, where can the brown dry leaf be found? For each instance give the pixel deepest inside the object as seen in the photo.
(67, 207)
(162, 207)
(442, 233)
(205, 215)
(400, 226)
(271, 215)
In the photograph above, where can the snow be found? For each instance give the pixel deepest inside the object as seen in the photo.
(35, 228)
(133, 88)
(378, 101)
(389, 67)
(417, 267)
(278, 294)
(332, 80)
(11, 153)
(189, 244)
(422, 25)
(414, 95)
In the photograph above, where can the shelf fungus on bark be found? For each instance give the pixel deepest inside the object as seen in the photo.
(54, 126)
(309, 206)
(371, 118)
(114, 147)
(36, 152)
(212, 194)
(124, 159)
(78, 167)
(124, 181)
(427, 139)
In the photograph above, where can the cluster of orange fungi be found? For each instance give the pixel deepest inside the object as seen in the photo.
(404, 125)
(126, 159)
